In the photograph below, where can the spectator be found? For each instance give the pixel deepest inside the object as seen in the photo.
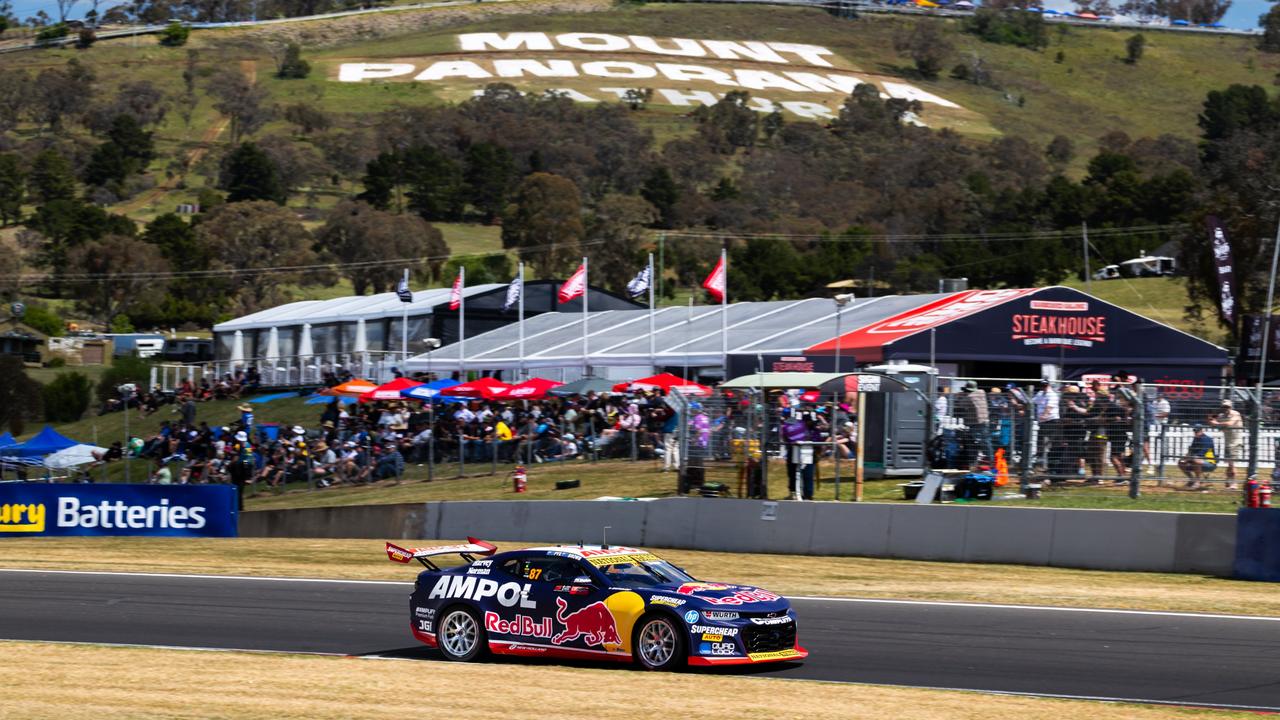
(390, 464)
(1200, 459)
(1228, 419)
(972, 409)
(162, 474)
(1047, 408)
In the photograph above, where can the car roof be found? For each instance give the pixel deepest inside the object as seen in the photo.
(585, 551)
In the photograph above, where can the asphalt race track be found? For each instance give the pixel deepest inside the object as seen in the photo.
(1152, 657)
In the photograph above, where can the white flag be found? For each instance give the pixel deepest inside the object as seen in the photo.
(639, 285)
(513, 294)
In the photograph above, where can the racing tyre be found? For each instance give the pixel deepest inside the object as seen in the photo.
(460, 636)
(659, 644)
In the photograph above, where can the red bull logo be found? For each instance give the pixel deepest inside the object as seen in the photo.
(691, 588)
(594, 623)
(521, 625)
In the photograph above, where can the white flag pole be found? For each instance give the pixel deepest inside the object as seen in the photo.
(724, 312)
(404, 329)
(586, 290)
(462, 323)
(653, 356)
(520, 280)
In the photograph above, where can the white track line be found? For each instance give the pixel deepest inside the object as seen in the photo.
(810, 598)
(978, 691)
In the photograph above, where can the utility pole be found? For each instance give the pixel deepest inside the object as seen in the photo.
(1262, 366)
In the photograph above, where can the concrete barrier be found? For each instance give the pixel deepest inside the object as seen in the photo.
(1093, 539)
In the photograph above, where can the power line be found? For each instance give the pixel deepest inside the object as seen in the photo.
(1020, 236)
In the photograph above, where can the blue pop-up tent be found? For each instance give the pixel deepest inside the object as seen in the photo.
(431, 390)
(6, 440)
(46, 442)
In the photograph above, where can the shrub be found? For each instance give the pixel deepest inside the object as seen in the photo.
(45, 320)
(175, 35)
(1134, 47)
(51, 35)
(293, 66)
(86, 38)
(56, 361)
(1023, 29)
(67, 397)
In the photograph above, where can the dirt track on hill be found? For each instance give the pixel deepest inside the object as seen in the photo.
(340, 31)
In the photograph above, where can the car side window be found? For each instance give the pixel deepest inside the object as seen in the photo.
(549, 569)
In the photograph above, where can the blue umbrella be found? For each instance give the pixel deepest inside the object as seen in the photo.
(431, 390)
(1181, 22)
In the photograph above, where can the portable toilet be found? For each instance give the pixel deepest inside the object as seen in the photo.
(896, 434)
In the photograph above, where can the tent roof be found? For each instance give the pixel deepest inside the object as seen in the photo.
(45, 442)
(771, 380)
(682, 335)
(6, 440)
(348, 309)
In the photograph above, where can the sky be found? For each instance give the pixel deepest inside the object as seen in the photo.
(1243, 13)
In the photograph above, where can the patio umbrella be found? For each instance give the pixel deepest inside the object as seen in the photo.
(389, 391)
(531, 389)
(431, 390)
(350, 388)
(665, 382)
(485, 388)
(582, 387)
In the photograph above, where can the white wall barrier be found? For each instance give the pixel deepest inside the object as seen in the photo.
(1094, 539)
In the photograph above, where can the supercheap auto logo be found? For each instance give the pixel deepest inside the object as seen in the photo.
(22, 518)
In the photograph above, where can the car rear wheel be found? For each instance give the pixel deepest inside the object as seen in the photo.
(659, 644)
(460, 636)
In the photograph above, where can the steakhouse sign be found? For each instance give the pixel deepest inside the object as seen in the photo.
(804, 80)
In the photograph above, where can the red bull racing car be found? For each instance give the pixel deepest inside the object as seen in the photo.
(591, 601)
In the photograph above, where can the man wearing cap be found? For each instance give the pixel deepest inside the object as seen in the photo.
(972, 409)
(1047, 408)
(1200, 458)
(1228, 419)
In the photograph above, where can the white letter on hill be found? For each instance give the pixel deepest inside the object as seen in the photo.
(617, 69)
(907, 92)
(696, 73)
(843, 84)
(355, 72)
(684, 46)
(594, 42)
(749, 50)
(518, 68)
(453, 68)
(482, 42)
(811, 54)
(697, 97)
(763, 80)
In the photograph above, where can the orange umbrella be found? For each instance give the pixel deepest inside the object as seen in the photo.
(350, 388)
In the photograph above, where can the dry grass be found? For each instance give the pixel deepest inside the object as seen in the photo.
(790, 574)
(51, 681)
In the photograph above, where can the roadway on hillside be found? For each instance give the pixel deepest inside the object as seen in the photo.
(1154, 657)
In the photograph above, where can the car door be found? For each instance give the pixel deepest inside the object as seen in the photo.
(572, 601)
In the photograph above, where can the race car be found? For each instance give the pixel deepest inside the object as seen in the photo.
(591, 601)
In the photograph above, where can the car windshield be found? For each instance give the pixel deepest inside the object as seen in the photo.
(641, 574)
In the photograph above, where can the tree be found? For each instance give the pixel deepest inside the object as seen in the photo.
(1060, 150)
(250, 175)
(86, 38)
(927, 47)
(545, 223)
(135, 143)
(618, 223)
(261, 240)
(117, 267)
(127, 369)
(64, 7)
(45, 320)
(382, 179)
(15, 97)
(661, 191)
(176, 240)
(1238, 108)
(435, 183)
(1008, 27)
(51, 178)
(20, 398)
(107, 165)
(773, 123)
(1134, 47)
(729, 124)
(1270, 24)
(12, 189)
(189, 98)
(357, 233)
(291, 65)
(307, 117)
(63, 93)
(240, 101)
(175, 35)
(67, 397)
(488, 171)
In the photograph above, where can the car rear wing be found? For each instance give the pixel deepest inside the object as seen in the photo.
(467, 550)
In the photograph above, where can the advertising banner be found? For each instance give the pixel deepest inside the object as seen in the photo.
(1226, 274)
(52, 510)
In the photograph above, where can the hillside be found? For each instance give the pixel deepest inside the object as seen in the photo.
(371, 77)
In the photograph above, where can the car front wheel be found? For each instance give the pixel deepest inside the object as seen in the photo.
(659, 644)
(460, 636)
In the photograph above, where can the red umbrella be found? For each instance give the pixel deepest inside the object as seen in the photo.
(485, 388)
(389, 391)
(531, 389)
(665, 382)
